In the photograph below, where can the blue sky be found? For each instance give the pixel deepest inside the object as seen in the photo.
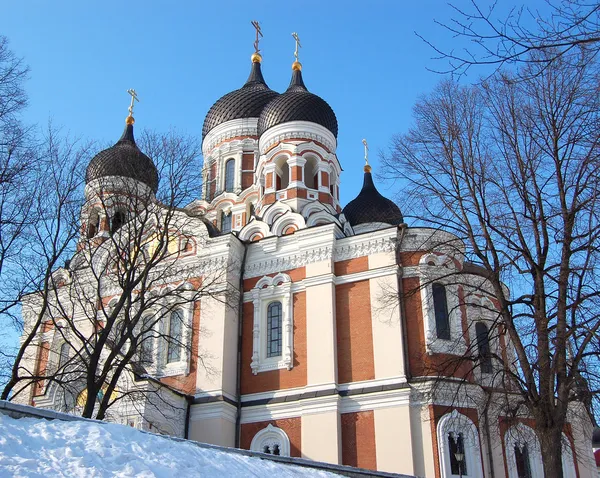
(362, 57)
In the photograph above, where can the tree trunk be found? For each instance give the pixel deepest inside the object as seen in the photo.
(551, 443)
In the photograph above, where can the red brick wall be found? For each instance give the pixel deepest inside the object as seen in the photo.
(420, 362)
(354, 332)
(358, 440)
(281, 378)
(42, 364)
(291, 426)
(351, 266)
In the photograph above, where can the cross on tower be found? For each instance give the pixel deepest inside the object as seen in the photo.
(364, 141)
(256, 25)
(297, 38)
(134, 97)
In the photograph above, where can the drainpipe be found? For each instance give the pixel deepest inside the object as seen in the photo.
(186, 431)
(400, 275)
(238, 388)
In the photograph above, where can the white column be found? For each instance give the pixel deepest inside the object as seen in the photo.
(238, 172)
(295, 161)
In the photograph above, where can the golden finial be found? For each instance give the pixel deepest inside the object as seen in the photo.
(296, 65)
(256, 56)
(367, 167)
(134, 98)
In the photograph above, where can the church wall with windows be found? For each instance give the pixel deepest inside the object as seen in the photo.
(330, 329)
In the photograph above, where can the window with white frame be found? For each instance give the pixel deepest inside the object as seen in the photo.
(174, 336)
(523, 454)
(226, 221)
(484, 352)
(273, 324)
(271, 440)
(441, 308)
(458, 446)
(229, 175)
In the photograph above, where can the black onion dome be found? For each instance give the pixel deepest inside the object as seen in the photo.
(297, 104)
(371, 206)
(124, 159)
(247, 102)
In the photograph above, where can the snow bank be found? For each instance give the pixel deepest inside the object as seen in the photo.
(31, 447)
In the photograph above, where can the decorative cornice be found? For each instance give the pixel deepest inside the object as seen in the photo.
(296, 130)
(364, 248)
(237, 128)
(288, 262)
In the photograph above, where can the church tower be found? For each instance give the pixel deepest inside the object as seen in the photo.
(298, 139)
(230, 150)
(120, 181)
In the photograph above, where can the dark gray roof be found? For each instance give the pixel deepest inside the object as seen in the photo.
(247, 102)
(297, 104)
(371, 206)
(124, 159)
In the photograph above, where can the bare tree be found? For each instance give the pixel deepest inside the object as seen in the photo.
(511, 168)
(126, 305)
(498, 40)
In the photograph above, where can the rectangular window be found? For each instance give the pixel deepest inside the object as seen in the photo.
(274, 332)
(522, 459)
(440, 306)
(483, 345)
(174, 337)
(458, 458)
(226, 222)
(229, 175)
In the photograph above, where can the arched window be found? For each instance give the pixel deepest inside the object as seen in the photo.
(523, 452)
(174, 336)
(311, 178)
(93, 225)
(63, 357)
(282, 174)
(117, 221)
(225, 221)
(274, 332)
(229, 175)
(458, 446)
(440, 306)
(483, 347)
(271, 440)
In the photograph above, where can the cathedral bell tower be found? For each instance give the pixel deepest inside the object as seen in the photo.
(230, 149)
(298, 139)
(120, 182)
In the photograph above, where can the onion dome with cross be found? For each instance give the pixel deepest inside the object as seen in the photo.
(124, 158)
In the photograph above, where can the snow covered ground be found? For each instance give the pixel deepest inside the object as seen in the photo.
(31, 447)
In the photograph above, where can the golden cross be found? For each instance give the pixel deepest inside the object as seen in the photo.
(295, 35)
(134, 97)
(364, 141)
(256, 25)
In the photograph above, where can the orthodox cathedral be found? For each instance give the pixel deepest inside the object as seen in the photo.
(329, 338)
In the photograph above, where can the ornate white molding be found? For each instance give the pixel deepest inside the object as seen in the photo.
(267, 291)
(295, 130)
(230, 129)
(288, 262)
(364, 248)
